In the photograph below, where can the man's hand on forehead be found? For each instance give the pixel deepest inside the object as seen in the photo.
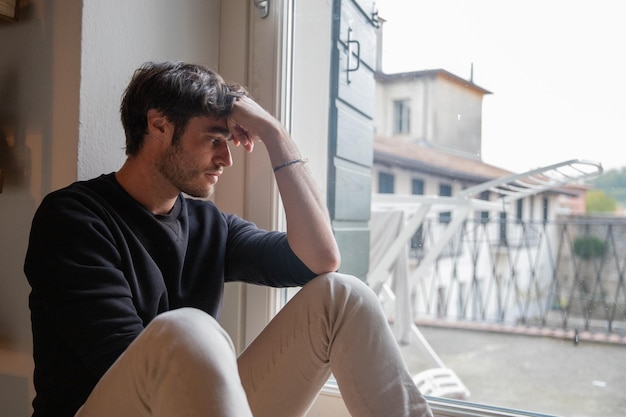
(249, 122)
(240, 137)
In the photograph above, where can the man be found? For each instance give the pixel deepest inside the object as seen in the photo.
(127, 276)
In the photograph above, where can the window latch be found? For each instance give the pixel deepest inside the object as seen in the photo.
(262, 8)
(357, 54)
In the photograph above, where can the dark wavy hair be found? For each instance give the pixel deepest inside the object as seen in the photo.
(178, 90)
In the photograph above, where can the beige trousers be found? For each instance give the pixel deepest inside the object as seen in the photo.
(184, 364)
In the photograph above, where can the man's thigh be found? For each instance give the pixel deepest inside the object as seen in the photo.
(182, 363)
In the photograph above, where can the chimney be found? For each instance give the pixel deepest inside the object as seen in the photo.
(379, 45)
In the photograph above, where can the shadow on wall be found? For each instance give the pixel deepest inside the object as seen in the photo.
(17, 206)
(12, 388)
(16, 209)
(26, 125)
(25, 154)
(13, 159)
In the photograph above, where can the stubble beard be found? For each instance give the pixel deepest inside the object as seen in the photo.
(177, 171)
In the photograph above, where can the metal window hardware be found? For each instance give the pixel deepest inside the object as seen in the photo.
(357, 54)
(262, 8)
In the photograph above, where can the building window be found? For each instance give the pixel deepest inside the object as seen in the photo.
(417, 187)
(445, 190)
(503, 235)
(386, 183)
(401, 116)
(484, 214)
(417, 241)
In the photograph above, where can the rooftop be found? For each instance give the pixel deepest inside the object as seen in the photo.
(413, 156)
(430, 73)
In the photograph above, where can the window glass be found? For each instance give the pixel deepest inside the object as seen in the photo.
(417, 241)
(401, 116)
(524, 305)
(445, 190)
(484, 214)
(417, 186)
(386, 183)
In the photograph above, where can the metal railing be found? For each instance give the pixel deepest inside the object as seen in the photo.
(567, 274)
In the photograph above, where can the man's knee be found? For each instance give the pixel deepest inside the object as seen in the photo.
(189, 328)
(337, 285)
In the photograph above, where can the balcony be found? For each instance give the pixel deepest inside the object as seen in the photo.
(450, 270)
(528, 315)
(468, 263)
(535, 277)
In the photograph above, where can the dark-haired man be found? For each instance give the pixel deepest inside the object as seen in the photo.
(127, 276)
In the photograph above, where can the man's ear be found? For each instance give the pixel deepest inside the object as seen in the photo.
(157, 122)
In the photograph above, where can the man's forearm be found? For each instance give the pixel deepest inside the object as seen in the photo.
(309, 230)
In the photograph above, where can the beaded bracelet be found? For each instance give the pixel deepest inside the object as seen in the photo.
(293, 161)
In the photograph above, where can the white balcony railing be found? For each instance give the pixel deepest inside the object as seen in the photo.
(491, 271)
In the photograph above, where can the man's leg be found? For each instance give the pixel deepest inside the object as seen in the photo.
(334, 324)
(182, 364)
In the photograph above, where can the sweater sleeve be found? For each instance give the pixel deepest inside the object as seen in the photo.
(81, 301)
(262, 257)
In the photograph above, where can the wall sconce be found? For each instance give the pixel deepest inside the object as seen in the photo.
(8, 10)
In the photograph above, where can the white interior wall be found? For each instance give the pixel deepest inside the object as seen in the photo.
(117, 37)
(63, 68)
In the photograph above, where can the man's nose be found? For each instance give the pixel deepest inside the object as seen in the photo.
(223, 155)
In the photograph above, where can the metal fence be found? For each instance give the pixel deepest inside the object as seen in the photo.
(567, 274)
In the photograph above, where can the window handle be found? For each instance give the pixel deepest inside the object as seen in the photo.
(262, 8)
(357, 55)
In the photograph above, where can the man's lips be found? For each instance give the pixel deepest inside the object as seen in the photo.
(214, 176)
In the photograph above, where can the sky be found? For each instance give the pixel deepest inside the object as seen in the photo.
(556, 68)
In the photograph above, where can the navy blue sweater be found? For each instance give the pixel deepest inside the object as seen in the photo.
(101, 267)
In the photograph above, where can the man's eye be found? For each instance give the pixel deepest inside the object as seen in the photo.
(217, 143)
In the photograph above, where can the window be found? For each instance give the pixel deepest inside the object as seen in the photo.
(401, 116)
(417, 241)
(417, 186)
(503, 238)
(484, 214)
(386, 183)
(462, 294)
(445, 190)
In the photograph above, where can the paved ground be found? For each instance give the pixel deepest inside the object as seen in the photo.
(533, 373)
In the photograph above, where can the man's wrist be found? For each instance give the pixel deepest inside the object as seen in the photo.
(289, 163)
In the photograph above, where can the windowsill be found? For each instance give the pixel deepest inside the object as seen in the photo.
(452, 408)
(330, 403)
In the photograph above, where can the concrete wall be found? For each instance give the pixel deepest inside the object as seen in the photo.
(456, 113)
(443, 113)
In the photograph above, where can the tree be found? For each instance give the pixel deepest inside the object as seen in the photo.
(590, 249)
(613, 183)
(597, 201)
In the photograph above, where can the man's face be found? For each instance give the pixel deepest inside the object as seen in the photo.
(194, 162)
